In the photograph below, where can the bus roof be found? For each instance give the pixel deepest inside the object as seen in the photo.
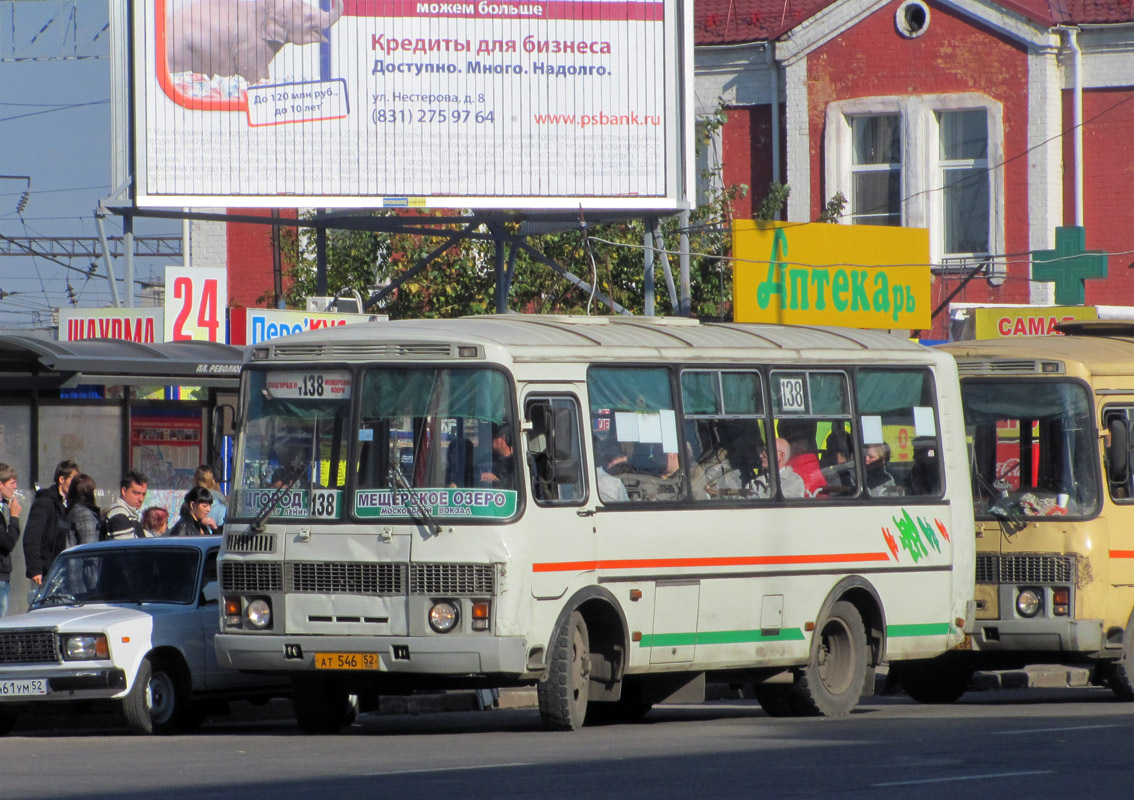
(531, 337)
(1100, 355)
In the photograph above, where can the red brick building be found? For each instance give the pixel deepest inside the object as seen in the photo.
(959, 117)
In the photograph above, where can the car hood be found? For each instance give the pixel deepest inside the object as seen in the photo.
(83, 617)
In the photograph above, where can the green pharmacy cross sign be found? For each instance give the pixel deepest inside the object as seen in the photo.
(1068, 265)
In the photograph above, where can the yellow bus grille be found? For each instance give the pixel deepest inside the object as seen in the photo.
(1025, 568)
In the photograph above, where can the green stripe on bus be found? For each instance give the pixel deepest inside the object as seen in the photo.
(923, 629)
(719, 637)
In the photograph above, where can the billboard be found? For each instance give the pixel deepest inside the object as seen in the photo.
(263, 324)
(1000, 323)
(143, 325)
(196, 301)
(404, 104)
(855, 276)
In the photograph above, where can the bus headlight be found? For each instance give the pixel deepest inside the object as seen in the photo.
(259, 613)
(443, 616)
(1029, 602)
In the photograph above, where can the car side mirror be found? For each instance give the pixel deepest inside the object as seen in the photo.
(210, 593)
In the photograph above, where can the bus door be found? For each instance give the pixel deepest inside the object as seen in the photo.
(559, 518)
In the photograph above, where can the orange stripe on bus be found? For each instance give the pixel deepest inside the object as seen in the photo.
(735, 561)
(1122, 553)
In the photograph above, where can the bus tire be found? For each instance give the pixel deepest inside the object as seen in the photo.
(563, 693)
(831, 685)
(933, 682)
(321, 705)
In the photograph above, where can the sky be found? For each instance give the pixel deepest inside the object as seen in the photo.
(55, 129)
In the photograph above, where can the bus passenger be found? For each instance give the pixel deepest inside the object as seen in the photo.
(879, 481)
(501, 473)
(609, 457)
(804, 460)
(790, 483)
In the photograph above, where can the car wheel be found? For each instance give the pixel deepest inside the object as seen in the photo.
(158, 701)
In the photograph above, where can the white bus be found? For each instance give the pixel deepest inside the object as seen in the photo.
(417, 504)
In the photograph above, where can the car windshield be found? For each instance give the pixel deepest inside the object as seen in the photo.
(122, 575)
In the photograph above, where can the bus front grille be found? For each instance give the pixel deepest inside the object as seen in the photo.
(251, 576)
(1025, 568)
(331, 577)
(453, 579)
(264, 543)
(359, 578)
(28, 647)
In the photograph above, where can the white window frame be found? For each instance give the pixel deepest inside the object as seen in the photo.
(922, 174)
(858, 169)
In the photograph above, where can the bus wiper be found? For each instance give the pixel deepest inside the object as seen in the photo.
(412, 502)
(289, 478)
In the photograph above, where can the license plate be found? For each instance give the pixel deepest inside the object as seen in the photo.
(346, 661)
(24, 688)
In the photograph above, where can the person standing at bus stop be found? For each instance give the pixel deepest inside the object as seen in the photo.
(124, 517)
(45, 534)
(10, 533)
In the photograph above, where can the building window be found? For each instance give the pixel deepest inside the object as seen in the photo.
(876, 170)
(924, 161)
(964, 182)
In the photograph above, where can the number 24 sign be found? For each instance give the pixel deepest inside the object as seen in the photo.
(196, 299)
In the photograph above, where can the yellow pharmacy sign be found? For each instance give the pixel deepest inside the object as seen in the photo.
(997, 323)
(856, 276)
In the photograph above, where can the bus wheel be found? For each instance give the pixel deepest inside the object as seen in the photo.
(321, 706)
(831, 684)
(931, 681)
(563, 693)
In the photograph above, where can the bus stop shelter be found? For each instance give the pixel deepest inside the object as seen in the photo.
(111, 406)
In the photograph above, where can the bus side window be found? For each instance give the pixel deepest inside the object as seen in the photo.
(897, 419)
(555, 463)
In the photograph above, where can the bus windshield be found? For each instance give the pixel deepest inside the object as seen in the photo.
(293, 443)
(1033, 448)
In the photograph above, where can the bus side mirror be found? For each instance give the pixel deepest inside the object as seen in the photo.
(563, 448)
(1118, 452)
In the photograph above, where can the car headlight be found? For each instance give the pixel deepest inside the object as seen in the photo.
(259, 613)
(443, 616)
(1029, 602)
(85, 647)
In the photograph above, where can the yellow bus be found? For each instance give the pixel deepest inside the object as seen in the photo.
(1048, 422)
(594, 506)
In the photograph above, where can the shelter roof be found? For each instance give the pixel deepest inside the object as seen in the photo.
(29, 362)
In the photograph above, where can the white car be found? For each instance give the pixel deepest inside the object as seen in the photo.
(128, 623)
